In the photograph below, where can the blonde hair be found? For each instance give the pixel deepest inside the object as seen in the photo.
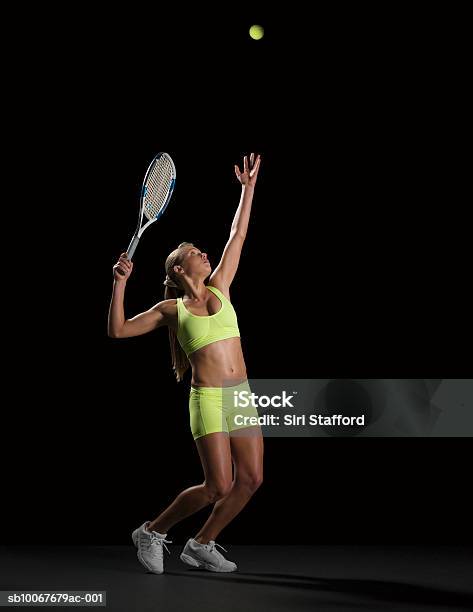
(180, 363)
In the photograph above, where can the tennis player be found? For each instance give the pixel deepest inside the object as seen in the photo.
(204, 335)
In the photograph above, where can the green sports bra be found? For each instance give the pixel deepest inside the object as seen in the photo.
(196, 331)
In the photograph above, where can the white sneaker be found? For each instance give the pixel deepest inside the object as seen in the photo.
(206, 556)
(150, 548)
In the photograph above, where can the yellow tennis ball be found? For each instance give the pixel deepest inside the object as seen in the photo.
(256, 32)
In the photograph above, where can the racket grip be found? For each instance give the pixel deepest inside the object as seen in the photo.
(132, 248)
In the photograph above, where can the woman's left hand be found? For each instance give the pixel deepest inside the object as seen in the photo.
(250, 170)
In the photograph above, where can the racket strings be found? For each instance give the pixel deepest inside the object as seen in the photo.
(158, 185)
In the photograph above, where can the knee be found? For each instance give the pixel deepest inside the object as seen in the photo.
(217, 490)
(250, 480)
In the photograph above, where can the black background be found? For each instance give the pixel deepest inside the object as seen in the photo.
(355, 264)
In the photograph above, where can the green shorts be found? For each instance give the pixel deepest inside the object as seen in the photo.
(219, 409)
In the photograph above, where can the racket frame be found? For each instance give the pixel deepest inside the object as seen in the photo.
(139, 230)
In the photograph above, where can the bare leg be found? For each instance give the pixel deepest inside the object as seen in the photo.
(215, 455)
(247, 452)
(186, 503)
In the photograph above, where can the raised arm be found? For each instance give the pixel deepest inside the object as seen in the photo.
(224, 273)
(118, 326)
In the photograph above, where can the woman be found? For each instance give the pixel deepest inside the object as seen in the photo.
(203, 334)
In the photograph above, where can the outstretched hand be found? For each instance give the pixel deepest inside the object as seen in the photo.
(250, 170)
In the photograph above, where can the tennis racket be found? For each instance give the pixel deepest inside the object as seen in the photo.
(156, 193)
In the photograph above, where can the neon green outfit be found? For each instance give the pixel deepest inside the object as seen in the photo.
(216, 409)
(196, 331)
(212, 409)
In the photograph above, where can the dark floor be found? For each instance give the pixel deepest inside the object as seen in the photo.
(268, 577)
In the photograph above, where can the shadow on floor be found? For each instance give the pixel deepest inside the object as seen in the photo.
(374, 589)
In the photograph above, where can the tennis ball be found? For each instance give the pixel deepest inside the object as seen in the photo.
(256, 32)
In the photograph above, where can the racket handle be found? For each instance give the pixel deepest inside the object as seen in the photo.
(132, 248)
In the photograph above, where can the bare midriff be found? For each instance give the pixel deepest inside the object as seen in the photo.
(219, 364)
